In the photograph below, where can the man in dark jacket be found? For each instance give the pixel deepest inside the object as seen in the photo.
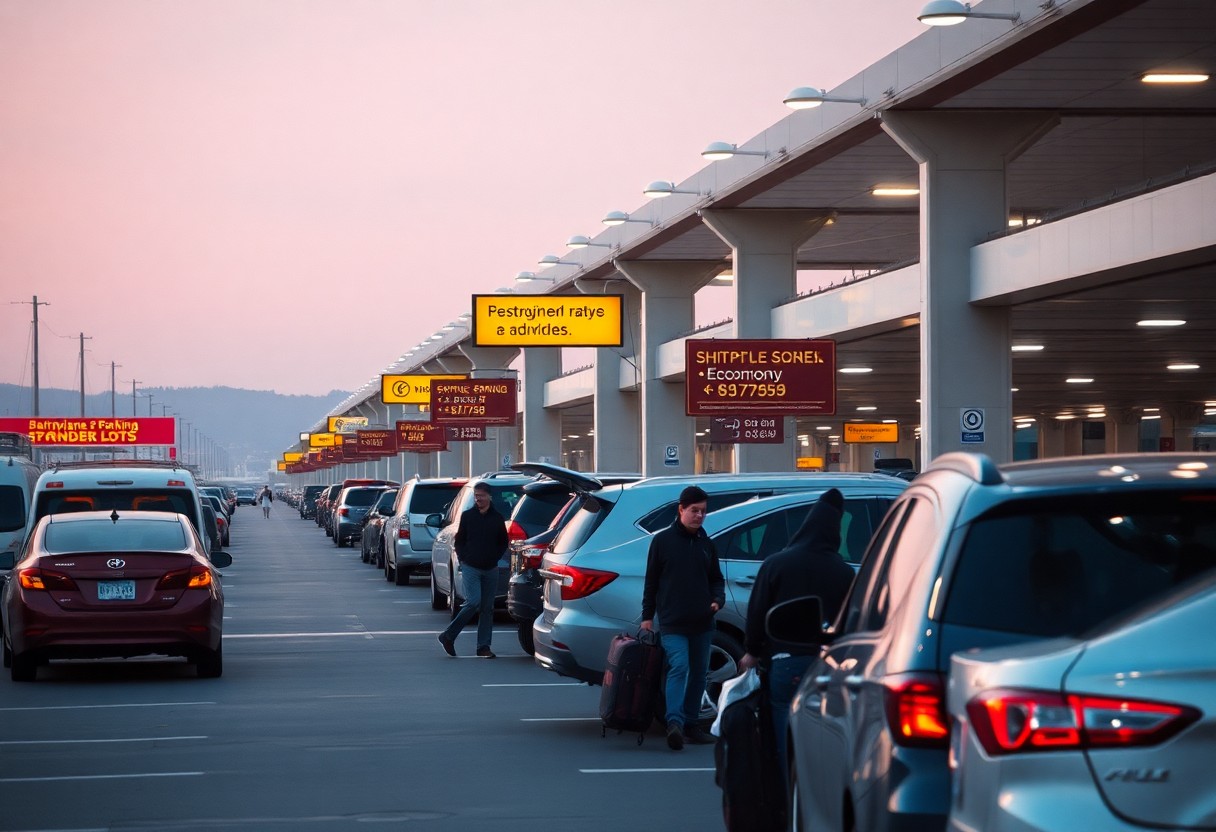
(684, 584)
(809, 565)
(481, 538)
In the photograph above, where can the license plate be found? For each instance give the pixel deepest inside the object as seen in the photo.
(116, 591)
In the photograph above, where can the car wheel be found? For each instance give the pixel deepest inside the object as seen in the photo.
(526, 640)
(453, 601)
(8, 654)
(438, 602)
(23, 668)
(227, 540)
(362, 553)
(390, 574)
(211, 664)
(401, 576)
(379, 558)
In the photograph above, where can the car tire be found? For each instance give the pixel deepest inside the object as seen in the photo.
(379, 558)
(227, 540)
(390, 574)
(401, 577)
(210, 665)
(8, 654)
(526, 640)
(438, 602)
(22, 667)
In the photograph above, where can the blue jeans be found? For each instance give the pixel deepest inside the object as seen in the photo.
(784, 677)
(687, 664)
(478, 587)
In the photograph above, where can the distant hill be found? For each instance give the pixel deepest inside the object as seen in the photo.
(255, 426)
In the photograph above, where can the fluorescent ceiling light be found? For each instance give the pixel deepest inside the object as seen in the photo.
(1079, 380)
(1027, 348)
(868, 407)
(824, 427)
(855, 370)
(1174, 77)
(894, 190)
(1160, 322)
(1098, 415)
(1153, 416)
(890, 421)
(1182, 366)
(1064, 417)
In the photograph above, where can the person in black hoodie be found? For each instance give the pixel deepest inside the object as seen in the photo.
(480, 539)
(809, 565)
(684, 585)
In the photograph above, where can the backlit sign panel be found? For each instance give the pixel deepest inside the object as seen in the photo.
(291, 457)
(856, 433)
(747, 430)
(63, 431)
(408, 389)
(376, 442)
(481, 401)
(548, 320)
(346, 424)
(780, 376)
(420, 437)
(321, 440)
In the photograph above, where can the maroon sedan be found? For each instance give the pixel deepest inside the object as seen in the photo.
(98, 584)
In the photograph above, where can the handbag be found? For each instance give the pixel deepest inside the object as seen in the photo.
(733, 690)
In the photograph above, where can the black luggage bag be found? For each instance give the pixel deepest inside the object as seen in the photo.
(746, 766)
(631, 682)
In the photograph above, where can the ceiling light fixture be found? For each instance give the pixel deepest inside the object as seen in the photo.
(1174, 77)
(805, 98)
(1181, 366)
(868, 407)
(953, 12)
(1161, 322)
(582, 241)
(855, 370)
(1079, 380)
(894, 190)
(661, 189)
(717, 151)
(1027, 348)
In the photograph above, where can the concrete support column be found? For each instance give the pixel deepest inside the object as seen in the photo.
(1059, 438)
(764, 247)
(1122, 432)
(667, 288)
(542, 428)
(1179, 421)
(965, 358)
(487, 362)
(618, 434)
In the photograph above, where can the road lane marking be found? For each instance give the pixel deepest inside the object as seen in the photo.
(101, 777)
(343, 633)
(534, 685)
(561, 719)
(639, 770)
(124, 705)
(73, 742)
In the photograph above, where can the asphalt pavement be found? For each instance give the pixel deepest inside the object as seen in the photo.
(337, 710)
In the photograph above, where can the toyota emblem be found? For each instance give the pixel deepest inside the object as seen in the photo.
(116, 563)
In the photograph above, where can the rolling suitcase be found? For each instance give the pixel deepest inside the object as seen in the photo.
(631, 681)
(746, 766)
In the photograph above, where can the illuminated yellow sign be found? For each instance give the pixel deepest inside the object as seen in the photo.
(321, 440)
(291, 457)
(282, 465)
(346, 424)
(808, 462)
(548, 320)
(856, 433)
(409, 389)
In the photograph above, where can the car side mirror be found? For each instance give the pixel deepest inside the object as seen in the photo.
(797, 622)
(435, 521)
(221, 559)
(8, 560)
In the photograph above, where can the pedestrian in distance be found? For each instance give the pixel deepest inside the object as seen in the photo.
(685, 589)
(265, 498)
(810, 564)
(480, 540)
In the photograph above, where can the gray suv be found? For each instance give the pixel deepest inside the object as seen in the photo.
(405, 540)
(975, 555)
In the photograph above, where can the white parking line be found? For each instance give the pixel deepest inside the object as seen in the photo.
(639, 770)
(536, 685)
(88, 742)
(101, 777)
(93, 707)
(561, 719)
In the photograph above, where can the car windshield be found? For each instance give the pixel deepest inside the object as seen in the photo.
(1066, 564)
(432, 499)
(12, 508)
(362, 496)
(124, 535)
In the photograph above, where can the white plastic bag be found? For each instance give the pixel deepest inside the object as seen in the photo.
(732, 691)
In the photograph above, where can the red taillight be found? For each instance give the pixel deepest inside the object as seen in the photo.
(221, 522)
(579, 583)
(42, 580)
(515, 532)
(403, 533)
(343, 512)
(195, 577)
(54, 485)
(533, 555)
(916, 709)
(1019, 721)
(177, 483)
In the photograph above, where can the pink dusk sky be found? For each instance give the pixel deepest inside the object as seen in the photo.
(288, 194)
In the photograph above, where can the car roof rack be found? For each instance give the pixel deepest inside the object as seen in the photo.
(116, 463)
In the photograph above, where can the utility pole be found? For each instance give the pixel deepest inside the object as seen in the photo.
(82, 340)
(113, 391)
(36, 303)
(134, 448)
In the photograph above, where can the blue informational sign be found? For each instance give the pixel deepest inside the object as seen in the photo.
(971, 420)
(671, 456)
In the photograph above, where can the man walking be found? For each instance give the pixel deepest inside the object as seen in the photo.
(481, 538)
(684, 585)
(265, 498)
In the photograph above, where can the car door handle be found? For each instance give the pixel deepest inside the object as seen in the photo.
(853, 683)
(751, 581)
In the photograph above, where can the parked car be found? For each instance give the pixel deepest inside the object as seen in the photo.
(308, 501)
(975, 555)
(211, 527)
(1110, 730)
(373, 524)
(224, 506)
(346, 515)
(525, 587)
(18, 479)
(324, 504)
(246, 496)
(506, 489)
(221, 519)
(594, 579)
(114, 583)
(406, 538)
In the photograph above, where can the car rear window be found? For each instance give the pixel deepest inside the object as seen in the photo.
(177, 500)
(505, 497)
(536, 510)
(12, 508)
(124, 535)
(1064, 565)
(432, 499)
(385, 503)
(584, 522)
(362, 496)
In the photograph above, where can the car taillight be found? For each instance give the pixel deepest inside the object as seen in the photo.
(515, 531)
(403, 533)
(916, 709)
(532, 556)
(578, 582)
(343, 512)
(1020, 721)
(221, 522)
(42, 580)
(54, 485)
(177, 483)
(196, 577)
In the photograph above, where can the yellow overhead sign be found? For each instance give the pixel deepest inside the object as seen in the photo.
(408, 389)
(346, 424)
(321, 440)
(290, 457)
(282, 465)
(856, 433)
(808, 462)
(548, 320)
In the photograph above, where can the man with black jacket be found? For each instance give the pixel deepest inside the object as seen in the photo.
(684, 584)
(481, 538)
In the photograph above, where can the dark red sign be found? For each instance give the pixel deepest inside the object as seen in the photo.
(67, 430)
(420, 437)
(479, 401)
(376, 442)
(466, 433)
(332, 454)
(781, 376)
(349, 451)
(747, 430)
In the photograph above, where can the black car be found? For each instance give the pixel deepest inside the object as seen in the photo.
(373, 527)
(308, 501)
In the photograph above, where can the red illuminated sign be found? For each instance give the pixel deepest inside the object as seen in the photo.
(420, 437)
(465, 433)
(61, 431)
(780, 376)
(747, 430)
(483, 401)
(376, 442)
